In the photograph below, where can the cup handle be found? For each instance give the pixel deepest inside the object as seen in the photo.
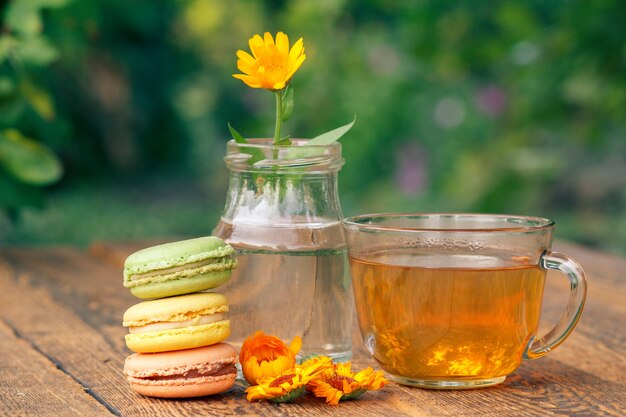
(540, 346)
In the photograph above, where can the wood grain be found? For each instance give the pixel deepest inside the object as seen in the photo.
(33, 385)
(63, 308)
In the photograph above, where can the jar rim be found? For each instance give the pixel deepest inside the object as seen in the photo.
(268, 143)
(261, 154)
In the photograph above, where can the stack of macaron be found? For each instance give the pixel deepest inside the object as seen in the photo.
(179, 334)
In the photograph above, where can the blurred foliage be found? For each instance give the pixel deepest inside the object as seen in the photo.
(503, 106)
(25, 105)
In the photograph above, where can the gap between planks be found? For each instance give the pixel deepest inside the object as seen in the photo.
(32, 384)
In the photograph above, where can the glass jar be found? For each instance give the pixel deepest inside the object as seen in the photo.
(283, 217)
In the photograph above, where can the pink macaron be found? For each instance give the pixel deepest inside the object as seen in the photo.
(183, 373)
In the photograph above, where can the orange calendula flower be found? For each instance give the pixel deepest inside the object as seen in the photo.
(313, 360)
(267, 356)
(340, 383)
(290, 384)
(272, 63)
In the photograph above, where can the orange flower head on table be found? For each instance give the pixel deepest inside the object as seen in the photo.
(339, 383)
(290, 384)
(269, 365)
(267, 356)
(272, 63)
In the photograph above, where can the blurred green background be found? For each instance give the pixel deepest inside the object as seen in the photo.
(509, 107)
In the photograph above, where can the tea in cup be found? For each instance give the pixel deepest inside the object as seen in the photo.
(453, 301)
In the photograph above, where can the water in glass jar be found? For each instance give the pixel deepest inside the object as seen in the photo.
(291, 280)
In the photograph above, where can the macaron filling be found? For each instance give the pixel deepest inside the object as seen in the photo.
(167, 325)
(180, 271)
(190, 374)
(171, 270)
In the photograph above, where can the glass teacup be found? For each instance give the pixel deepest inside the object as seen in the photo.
(454, 300)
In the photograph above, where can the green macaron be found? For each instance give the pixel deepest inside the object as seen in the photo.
(178, 268)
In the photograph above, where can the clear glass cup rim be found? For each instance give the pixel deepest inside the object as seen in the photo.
(506, 222)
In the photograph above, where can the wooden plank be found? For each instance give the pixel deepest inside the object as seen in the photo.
(77, 292)
(32, 385)
(53, 297)
(116, 253)
(91, 288)
(598, 344)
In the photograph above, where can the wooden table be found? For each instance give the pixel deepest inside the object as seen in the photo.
(62, 350)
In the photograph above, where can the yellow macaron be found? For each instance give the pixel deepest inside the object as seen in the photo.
(176, 323)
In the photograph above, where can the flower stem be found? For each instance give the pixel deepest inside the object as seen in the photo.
(279, 115)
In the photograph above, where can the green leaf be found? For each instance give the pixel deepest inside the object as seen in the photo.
(287, 102)
(325, 139)
(37, 51)
(39, 100)
(284, 141)
(255, 154)
(332, 136)
(7, 45)
(28, 161)
(22, 16)
(236, 135)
